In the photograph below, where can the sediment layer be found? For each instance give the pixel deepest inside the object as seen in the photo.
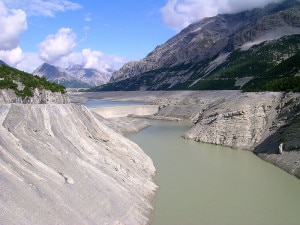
(59, 163)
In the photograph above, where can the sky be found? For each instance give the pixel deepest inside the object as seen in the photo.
(99, 34)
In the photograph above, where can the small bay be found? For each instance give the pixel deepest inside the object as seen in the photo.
(202, 184)
(212, 185)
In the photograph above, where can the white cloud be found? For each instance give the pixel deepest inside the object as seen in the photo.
(42, 7)
(91, 59)
(58, 45)
(11, 57)
(57, 49)
(88, 18)
(177, 14)
(28, 61)
(87, 58)
(12, 24)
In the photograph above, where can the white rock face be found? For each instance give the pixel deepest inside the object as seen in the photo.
(124, 111)
(60, 165)
(39, 97)
(238, 122)
(229, 118)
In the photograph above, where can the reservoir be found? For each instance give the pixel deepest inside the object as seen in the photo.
(205, 184)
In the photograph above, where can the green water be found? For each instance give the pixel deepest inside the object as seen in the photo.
(211, 185)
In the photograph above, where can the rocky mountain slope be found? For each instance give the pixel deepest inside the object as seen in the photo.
(215, 53)
(73, 77)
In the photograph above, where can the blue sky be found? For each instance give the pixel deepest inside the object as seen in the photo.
(97, 33)
(126, 28)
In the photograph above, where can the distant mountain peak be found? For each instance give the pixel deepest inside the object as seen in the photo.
(74, 76)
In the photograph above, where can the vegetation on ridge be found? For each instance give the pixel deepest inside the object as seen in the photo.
(268, 66)
(10, 77)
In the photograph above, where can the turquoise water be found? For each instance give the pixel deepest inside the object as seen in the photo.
(201, 184)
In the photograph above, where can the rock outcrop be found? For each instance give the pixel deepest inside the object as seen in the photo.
(39, 97)
(238, 120)
(259, 122)
(61, 165)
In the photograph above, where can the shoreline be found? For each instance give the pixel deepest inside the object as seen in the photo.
(226, 118)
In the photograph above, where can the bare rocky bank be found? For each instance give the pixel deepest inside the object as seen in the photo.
(39, 97)
(259, 122)
(60, 164)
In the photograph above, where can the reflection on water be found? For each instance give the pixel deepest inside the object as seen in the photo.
(212, 185)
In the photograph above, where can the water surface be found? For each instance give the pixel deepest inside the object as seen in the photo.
(201, 184)
(211, 185)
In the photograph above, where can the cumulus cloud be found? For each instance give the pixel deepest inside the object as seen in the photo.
(43, 7)
(16, 58)
(57, 49)
(58, 45)
(11, 57)
(29, 62)
(12, 24)
(91, 59)
(177, 14)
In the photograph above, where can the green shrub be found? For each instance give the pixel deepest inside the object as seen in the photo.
(30, 82)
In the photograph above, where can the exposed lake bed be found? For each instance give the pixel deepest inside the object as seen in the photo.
(259, 122)
(209, 184)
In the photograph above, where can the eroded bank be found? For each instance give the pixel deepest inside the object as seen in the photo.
(258, 122)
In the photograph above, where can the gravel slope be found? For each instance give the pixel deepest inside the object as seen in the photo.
(60, 165)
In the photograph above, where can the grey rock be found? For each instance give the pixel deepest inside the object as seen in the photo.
(39, 97)
(60, 165)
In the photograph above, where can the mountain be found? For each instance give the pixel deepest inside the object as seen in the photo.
(73, 77)
(229, 51)
(92, 77)
(2, 62)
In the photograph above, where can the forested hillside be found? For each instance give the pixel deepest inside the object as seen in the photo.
(24, 83)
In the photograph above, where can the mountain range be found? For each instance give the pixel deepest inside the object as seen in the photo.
(73, 77)
(253, 50)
